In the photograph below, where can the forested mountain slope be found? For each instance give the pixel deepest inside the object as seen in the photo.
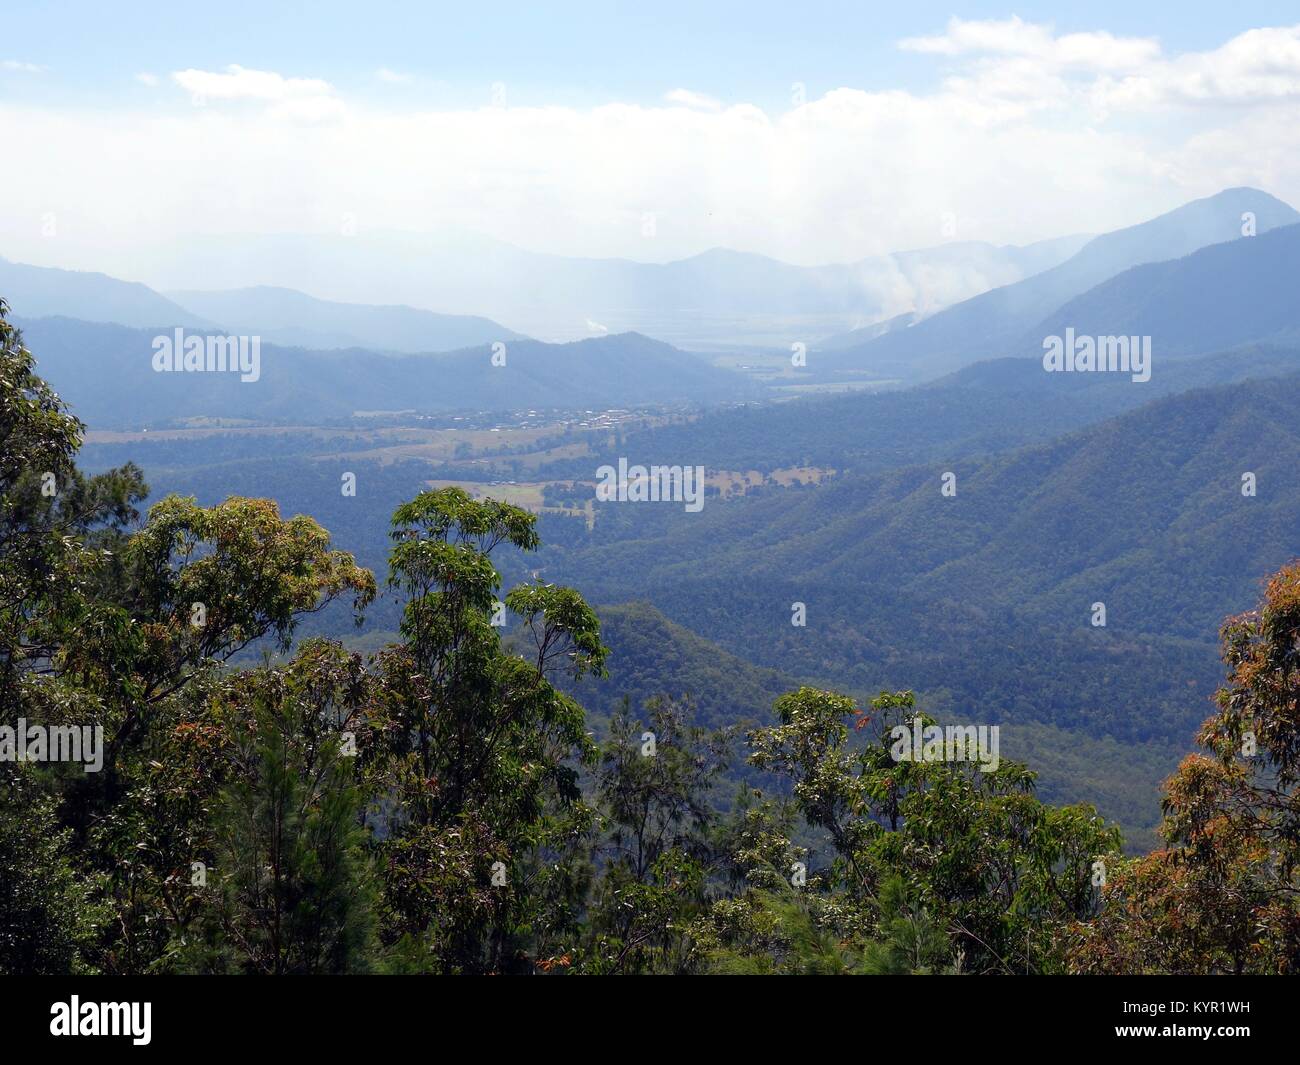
(985, 600)
(990, 406)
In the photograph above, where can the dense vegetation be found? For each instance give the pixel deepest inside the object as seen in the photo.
(991, 406)
(981, 603)
(440, 805)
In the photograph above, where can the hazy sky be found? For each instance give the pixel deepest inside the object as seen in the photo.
(811, 132)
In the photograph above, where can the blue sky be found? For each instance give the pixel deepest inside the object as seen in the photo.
(810, 132)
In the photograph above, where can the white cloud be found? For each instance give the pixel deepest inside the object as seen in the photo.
(1259, 66)
(1012, 36)
(240, 83)
(19, 67)
(687, 98)
(1025, 135)
(1015, 37)
(295, 99)
(1012, 58)
(150, 80)
(393, 77)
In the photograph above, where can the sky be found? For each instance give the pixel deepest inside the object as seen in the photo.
(810, 132)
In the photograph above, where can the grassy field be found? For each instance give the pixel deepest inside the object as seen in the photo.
(499, 455)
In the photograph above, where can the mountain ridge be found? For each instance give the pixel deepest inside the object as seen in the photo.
(994, 323)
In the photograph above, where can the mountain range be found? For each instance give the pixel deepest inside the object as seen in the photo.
(909, 315)
(42, 291)
(1004, 320)
(719, 297)
(294, 319)
(107, 373)
(1217, 297)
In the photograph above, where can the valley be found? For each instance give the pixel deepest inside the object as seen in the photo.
(590, 612)
(1071, 490)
